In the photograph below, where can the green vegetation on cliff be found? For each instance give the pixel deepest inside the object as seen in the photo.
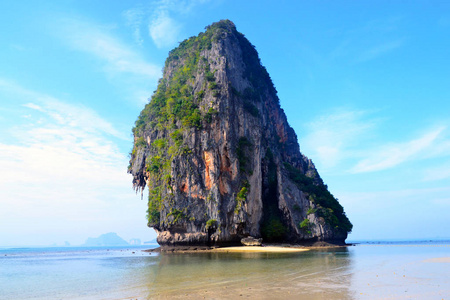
(327, 206)
(174, 105)
(241, 196)
(305, 225)
(174, 109)
(242, 147)
(200, 141)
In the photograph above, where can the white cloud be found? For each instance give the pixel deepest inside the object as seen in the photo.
(348, 140)
(33, 106)
(76, 116)
(394, 154)
(63, 177)
(438, 173)
(134, 18)
(96, 40)
(181, 7)
(164, 30)
(332, 136)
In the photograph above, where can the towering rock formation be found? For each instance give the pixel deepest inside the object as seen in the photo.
(219, 157)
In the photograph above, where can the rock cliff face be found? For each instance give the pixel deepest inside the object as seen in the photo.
(219, 157)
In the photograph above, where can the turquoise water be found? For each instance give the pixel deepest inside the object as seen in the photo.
(419, 270)
(68, 273)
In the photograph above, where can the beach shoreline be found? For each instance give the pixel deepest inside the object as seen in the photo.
(272, 249)
(364, 271)
(268, 248)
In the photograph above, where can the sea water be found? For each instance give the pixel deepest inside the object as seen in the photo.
(382, 270)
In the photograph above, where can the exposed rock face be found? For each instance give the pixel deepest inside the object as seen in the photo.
(219, 157)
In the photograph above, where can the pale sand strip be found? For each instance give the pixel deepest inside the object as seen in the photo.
(438, 260)
(259, 249)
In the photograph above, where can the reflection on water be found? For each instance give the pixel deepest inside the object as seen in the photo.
(360, 272)
(317, 274)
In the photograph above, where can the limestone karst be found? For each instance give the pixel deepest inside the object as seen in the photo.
(218, 156)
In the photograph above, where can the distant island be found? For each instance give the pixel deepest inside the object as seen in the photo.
(107, 239)
(151, 241)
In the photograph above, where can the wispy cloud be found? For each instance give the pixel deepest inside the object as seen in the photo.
(134, 18)
(395, 154)
(64, 114)
(438, 173)
(164, 28)
(332, 136)
(164, 20)
(65, 132)
(379, 50)
(32, 106)
(370, 40)
(63, 174)
(98, 41)
(350, 140)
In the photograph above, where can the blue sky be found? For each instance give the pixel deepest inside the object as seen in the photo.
(365, 85)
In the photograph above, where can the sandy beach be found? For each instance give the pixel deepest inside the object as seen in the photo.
(276, 249)
(363, 271)
(438, 260)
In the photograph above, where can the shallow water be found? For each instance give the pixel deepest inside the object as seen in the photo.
(364, 271)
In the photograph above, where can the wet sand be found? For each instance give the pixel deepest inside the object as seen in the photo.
(438, 260)
(364, 271)
(279, 272)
